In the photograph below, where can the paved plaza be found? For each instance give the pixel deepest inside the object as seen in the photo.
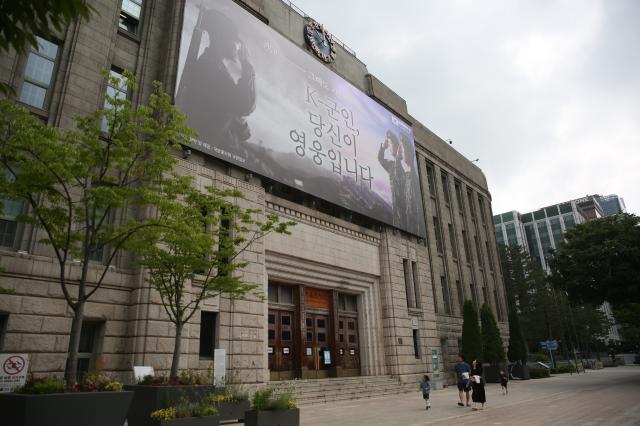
(603, 397)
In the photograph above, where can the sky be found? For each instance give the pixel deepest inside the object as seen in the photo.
(545, 93)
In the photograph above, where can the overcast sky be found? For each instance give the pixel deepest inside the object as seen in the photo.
(545, 93)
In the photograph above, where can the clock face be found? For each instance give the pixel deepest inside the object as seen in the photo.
(320, 41)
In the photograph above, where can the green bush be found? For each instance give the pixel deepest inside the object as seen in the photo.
(187, 409)
(538, 373)
(563, 369)
(540, 357)
(41, 386)
(270, 400)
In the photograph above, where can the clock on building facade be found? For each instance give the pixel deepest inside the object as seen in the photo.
(320, 41)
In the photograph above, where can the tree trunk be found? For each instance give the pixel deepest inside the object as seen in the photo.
(71, 370)
(175, 362)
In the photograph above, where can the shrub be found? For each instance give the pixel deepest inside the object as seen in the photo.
(185, 409)
(41, 386)
(226, 397)
(98, 382)
(538, 373)
(471, 337)
(563, 369)
(492, 347)
(186, 378)
(540, 357)
(270, 399)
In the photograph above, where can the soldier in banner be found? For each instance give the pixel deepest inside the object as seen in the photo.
(415, 219)
(396, 169)
(217, 88)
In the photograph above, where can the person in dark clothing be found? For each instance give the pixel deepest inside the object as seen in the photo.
(397, 176)
(462, 370)
(415, 219)
(504, 381)
(477, 385)
(425, 387)
(217, 88)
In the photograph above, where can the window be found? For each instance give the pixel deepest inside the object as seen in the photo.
(465, 242)
(130, 15)
(498, 306)
(208, 332)
(430, 180)
(478, 251)
(445, 295)
(545, 240)
(38, 74)
(489, 255)
(454, 246)
(416, 281)
(436, 230)
(4, 319)
(88, 348)
(485, 295)
(474, 296)
(569, 221)
(445, 187)
(556, 229)
(416, 344)
(8, 224)
(118, 91)
(348, 302)
(481, 207)
(408, 284)
(472, 207)
(458, 189)
(460, 295)
(511, 234)
(280, 294)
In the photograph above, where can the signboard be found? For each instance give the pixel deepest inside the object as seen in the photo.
(327, 357)
(316, 298)
(552, 345)
(309, 352)
(435, 359)
(219, 367)
(261, 102)
(13, 371)
(140, 371)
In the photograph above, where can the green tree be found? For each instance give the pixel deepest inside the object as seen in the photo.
(517, 351)
(471, 337)
(600, 261)
(75, 183)
(22, 20)
(196, 254)
(628, 317)
(492, 348)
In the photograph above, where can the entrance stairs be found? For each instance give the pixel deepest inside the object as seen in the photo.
(320, 391)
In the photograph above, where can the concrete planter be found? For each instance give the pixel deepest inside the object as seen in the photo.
(190, 421)
(491, 373)
(520, 371)
(233, 410)
(272, 418)
(68, 409)
(148, 399)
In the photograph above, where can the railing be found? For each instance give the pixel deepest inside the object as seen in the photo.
(304, 15)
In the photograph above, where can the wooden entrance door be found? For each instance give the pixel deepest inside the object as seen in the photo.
(281, 350)
(348, 345)
(317, 356)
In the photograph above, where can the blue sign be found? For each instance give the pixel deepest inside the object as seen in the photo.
(552, 345)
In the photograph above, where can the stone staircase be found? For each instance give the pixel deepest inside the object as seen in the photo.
(320, 391)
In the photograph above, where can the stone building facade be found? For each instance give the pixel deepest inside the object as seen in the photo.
(378, 300)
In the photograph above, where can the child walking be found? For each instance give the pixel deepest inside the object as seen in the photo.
(425, 387)
(503, 382)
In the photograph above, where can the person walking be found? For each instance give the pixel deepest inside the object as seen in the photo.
(425, 387)
(462, 370)
(477, 385)
(504, 381)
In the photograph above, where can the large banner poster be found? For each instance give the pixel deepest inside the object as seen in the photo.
(263, 103)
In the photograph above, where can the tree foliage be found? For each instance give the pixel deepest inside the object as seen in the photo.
(22, 20)
(492, 347)
(517, 351)
(600, 261)
(85, 188)
(471, 336)
(197, 252)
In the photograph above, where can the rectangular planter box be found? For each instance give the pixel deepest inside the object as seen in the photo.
(190, 421)
(272, 418)
(233, 410)
(68, 409)
(520, 371)
(148, 398)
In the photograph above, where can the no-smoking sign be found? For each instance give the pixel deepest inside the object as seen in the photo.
(13, 365)
(14, 371)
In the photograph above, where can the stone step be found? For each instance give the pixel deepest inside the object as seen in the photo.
(320, 391)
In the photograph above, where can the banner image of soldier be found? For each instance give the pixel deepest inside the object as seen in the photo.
(259, 101)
